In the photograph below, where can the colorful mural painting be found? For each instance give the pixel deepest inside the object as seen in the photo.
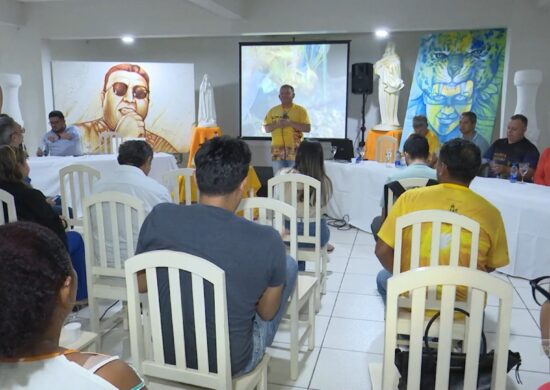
(457, 72)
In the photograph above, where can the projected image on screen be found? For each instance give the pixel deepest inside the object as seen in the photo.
(317, 71)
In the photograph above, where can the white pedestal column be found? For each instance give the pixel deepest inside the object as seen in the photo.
(527, 83)
(10, 84)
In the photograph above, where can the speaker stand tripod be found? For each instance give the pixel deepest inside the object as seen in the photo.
(363, 129)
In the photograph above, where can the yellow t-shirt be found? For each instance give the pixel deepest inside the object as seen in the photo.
(285, 141)
(493, 247)
(433, 142)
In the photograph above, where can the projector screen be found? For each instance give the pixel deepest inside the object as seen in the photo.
(318, 71)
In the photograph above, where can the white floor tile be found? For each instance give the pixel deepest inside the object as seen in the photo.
(522, 322)
(355, 335)
(362, 251)
(359, 284)
(279, 366)
(364, 265)
(526, 294)
(337, 263)
(321, 324)
(530, 380)
(342, 250)
(535, 313)
(327, 303)
(533, 357)
(516, 301)
(519, 282)
(337, 370)
(342, 236)
(334, 280)
(278, 387)
(359, 307)
(364, 238)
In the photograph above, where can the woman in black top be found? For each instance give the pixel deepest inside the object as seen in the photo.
(31, 206)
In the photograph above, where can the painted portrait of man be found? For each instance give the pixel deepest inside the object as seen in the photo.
(126, 101)
(457, 72)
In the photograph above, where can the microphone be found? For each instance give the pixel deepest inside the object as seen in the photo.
(285, 115)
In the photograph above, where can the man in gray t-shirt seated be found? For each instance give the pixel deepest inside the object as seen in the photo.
(259, 275)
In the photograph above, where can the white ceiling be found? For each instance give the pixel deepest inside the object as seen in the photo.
(231, 9)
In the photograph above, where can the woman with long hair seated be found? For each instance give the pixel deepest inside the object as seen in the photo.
(310, 162)
(31, 205)
(37, 291)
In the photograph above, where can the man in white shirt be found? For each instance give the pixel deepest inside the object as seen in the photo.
(130, 177)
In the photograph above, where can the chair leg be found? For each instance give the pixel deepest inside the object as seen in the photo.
(324, 272)
(311, 323)
(262, 384)
(94, 320)
(294, 338)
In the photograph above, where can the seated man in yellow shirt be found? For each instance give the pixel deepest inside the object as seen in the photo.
(420, 126)
(286, 122)
(458, 164)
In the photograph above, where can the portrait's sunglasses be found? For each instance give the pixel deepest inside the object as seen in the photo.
(139, 92)
(541, 289)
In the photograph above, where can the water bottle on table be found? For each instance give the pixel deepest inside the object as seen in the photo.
(513, 173)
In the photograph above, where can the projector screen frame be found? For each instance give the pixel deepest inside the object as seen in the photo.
(267, 137)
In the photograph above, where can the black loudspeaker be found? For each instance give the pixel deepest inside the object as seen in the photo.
(361, 78)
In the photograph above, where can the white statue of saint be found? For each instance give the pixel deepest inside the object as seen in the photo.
(207, 107)
(388, 69)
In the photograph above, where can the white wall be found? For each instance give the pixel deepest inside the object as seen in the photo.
(21, 51)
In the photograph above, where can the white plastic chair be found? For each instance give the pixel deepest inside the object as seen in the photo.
(407, 184)
(273, 212)
(384, 143)
(419, 282)
(287, 188)
(111, 227)
(109, 142)
(7, 208)
(146, 338)
(76, 183)
(459, 224)
(171, 181)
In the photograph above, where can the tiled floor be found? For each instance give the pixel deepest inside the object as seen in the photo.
(350, 327)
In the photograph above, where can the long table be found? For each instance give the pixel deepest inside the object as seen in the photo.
(45, 170)
(525, 209)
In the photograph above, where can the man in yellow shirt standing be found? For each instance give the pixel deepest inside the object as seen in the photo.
(458, 164)
(420, 126)
(286, 122)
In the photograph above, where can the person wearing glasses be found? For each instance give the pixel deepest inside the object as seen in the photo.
(60, 140)
(125, 100)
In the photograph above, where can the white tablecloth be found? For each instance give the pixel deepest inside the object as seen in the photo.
(525, 209)
(45, 170)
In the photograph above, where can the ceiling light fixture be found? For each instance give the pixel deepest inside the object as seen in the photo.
(381, 33)
(127, 39)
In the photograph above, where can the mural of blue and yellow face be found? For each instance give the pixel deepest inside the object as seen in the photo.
(457, 72)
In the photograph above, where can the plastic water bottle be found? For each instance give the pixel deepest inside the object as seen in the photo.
(513, 173)
(398, 159)
(403, 162)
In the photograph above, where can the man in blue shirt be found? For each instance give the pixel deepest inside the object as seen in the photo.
(60, 140)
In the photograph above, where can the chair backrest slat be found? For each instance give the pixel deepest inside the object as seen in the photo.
(185, 176)
(201, 271)
(7, 208)
(76, 183)
(111, 225)
(177, 317)
(416, 282)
